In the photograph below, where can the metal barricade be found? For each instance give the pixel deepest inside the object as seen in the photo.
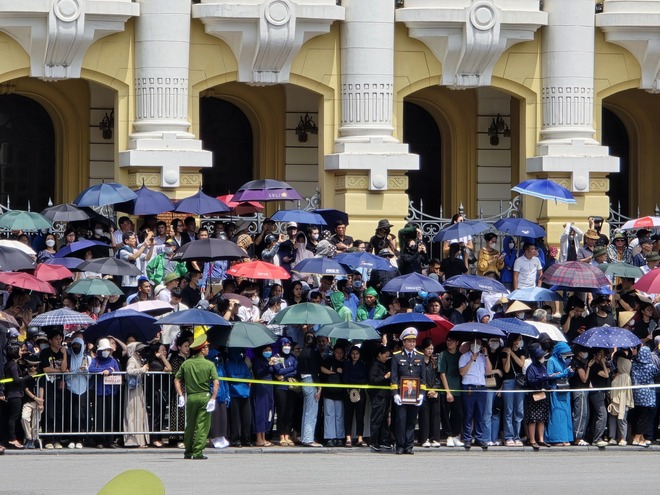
(95, 405)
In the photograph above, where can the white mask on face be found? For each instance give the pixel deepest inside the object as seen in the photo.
(314, 236)
(475, 347)
(50, 242)
(584, 355)
(520, 315)
(98, 231)
(96, 309)
(512, 245)
(286, 350)
(105, 354)
(256, 300)
(493, 345)
(517, 345)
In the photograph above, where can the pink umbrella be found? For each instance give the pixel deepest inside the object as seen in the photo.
(241, 207)
(48, 273)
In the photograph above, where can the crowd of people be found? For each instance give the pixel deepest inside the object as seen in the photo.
(453, 391)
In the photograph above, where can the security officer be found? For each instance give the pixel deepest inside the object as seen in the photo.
(407, 363)
(197, 373)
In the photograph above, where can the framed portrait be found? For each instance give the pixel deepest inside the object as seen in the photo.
(409, 390)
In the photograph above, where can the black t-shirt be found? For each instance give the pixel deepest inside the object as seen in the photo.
(596, 380)
(593, 320)
(51, 359)
(452, 266)
(576, 323)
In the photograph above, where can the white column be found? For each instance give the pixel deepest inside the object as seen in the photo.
(162, 138)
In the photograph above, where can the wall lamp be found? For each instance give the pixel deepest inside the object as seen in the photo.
(305, 126)
(107, 125)
(497, 127)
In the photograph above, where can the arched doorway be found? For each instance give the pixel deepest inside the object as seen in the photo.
(226, 131)
(615, 136)
(421, 133)
(27, 153)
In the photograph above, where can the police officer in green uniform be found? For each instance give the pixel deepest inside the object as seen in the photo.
(407, 363)
(197, 372)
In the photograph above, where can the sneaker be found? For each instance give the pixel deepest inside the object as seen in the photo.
(71, 446)
(519, 443)
(49, 446)
(180, 445)
(57, 445)
(600, 444)
(435, 444)
(450, 441)
(458, 443)
(79, 445)
(510, 443)
(497, 443)
(623, 443)
(426, 445)
(611, 442)
(375, 448)
(490, 444)
(29, 444)
(385, 446)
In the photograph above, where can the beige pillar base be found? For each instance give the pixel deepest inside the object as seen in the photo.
(189, 182)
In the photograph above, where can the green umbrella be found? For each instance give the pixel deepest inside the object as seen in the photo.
(625, 270)
(27, 221)
(306, 314)
(246, 335)
(94, 287)
(349, 330)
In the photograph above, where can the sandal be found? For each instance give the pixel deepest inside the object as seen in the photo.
(157, 443)
(15, 444)
(361, 443)
(582, 443)
(348, 444)
(510, 443)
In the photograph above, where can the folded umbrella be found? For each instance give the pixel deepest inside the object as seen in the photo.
(519, 227)
(209, 250)
(15, 259)
(266, 190)
(48, 273)
(477, 329)
(320, 266)
(193, 316)
(298, 216)
(621, 270)
(258, 270)
(534, 294)
(515, 326)
(348, 330)
(110, 266)
(18, 245)
(200, 204)
(94, 287)
(61, 316)
(245, 335)
(27, 221)
(413, 282)
(475, 282)
(121, 324)
(306, 314)
(65, 213)
(147, 202)
(575, 274)
(106, 193)
(26, 281)
(364, 260)
(608, 338)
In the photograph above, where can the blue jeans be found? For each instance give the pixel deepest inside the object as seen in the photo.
(474, 404)
(310, 411)
(514, 410)
(333, 419)
(491, 419)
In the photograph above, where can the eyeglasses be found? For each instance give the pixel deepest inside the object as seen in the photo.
(619, 240)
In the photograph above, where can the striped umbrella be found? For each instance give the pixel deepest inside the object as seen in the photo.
(61, 316)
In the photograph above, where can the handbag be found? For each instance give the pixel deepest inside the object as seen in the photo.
(537, 396)
(562, 384)
(521, 379)
(491, 382)
(294, 388)
(354, 395)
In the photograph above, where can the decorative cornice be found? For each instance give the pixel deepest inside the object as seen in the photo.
(265, 36)
(469, 36)
(57, 33)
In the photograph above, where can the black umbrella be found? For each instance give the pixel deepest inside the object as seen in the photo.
(14, 259)
(65, 213)
(109, 266)
(209, 250)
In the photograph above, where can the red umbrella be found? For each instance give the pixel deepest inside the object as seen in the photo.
(649, 282)
(575, 274)
(26, 281)
(241, 207)
(438, 333)
(48, 273)
(258, 270)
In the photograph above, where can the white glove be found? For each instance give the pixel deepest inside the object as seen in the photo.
(397, 400)
(420, 400)
(210, 407)
(181, 401)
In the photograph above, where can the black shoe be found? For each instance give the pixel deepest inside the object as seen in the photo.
(247, 444)
(399, 451)
(467, 445)
(376, 448)
(114, 446)
(385, 446)
(483, 445)
(409, 452)
(330, 443)
(199, 457)
(187, 456)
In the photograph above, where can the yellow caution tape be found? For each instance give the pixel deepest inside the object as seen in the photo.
(8, 380)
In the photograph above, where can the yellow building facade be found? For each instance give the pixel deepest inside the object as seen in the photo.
(399, 97)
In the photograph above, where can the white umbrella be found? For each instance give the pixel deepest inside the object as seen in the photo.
(555, 333)
(18, 245)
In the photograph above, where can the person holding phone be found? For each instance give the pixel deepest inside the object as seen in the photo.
(473, 366)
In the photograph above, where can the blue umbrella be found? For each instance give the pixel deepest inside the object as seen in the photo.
(194, 316)
(461, 229)
(201, 204)
(476, 329)
(332, 216)
(320, 266)
(400, 321)
(534, 294)
(413, 282)
(514, 325)
(519, 227)
(106, 193)
(298, 216)
(475, 282)
(70, 263)
(148, 202)
(373, 323)
(545, 189)
(364, 260)
(82, 245)
(607, 338)
(121, 324)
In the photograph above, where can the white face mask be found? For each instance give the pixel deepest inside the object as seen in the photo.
(512, 245)
(475, 347)
(517, 345)
(256, 300)
(314, 236)
(98, 231)
(105, 354)
(286, 350)
(520, 315)
(96, 309)
(50, 242)
(493, 345)
(584, 355)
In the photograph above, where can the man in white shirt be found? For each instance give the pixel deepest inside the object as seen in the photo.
(527, 269)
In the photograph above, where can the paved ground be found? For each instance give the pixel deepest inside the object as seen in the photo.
(244, 471)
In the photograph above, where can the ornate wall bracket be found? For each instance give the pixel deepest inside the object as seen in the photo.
(266, 35)
(636, 27)
(57, 33)
(469, 36)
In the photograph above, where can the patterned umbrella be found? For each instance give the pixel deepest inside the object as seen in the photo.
(642, 223)
(534, 294)
(61, 316)
(516, 326)
(575, 274)
(607, 338)
(476, 282)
